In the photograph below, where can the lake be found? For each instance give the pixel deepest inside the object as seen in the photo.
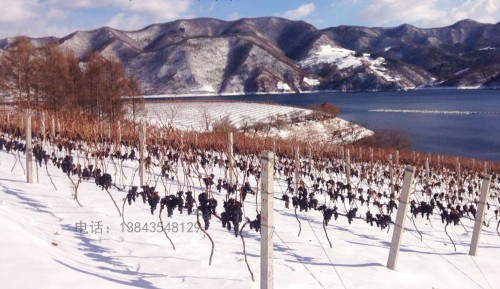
(446, 121)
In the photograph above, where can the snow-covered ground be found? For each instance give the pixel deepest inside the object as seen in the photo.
(345, 58)
(198, 116)
(40, 247)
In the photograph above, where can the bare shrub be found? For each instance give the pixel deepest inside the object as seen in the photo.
(279, 123)
(224, 125)
(296, 116)
(388, 138)
(325, 110)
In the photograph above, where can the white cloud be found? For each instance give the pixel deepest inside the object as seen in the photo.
(138, 14)
(52, 17)
(343, 2)
(479, 10)
(15, 10)
(429, 13)
(302, 11)
(126, 22)
(234, 16)
(159, 9)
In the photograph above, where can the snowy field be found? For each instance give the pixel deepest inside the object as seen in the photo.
(201, 116)
(345, 58)
(43, 248)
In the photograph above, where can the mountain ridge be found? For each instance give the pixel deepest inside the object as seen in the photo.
(269, 54)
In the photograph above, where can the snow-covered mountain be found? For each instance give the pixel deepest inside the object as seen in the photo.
(271, 54)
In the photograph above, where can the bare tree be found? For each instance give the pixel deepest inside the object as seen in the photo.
(53, 78)
(115, 88)
(105, 85)
(136, 99)
(172, 113)
(205, 116)
(246, 124)
(19, 68)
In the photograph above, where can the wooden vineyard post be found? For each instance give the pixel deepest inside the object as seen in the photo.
(119, 140)
(297, 183)
(397, 158)
(53, 129)
(391, 174)
(348, 167)
(297, 170)
(485, 170)
(29, 152)
(42, 129)
(427, 172)
(400, 218)
(142, 141)
(371, 160)
(485, 191)
(309, 154)
(459, 173)
(230, 157)
(266, 217)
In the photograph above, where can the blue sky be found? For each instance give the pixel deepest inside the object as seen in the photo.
(60, 17)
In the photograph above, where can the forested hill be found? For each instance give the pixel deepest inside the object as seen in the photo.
(273, 54)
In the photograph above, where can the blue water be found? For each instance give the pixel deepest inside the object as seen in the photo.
(472, 135)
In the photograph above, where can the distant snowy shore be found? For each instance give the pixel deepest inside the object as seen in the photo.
(282, 121)
(212, 94)
(433, 111)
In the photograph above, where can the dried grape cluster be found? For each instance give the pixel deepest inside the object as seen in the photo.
(207, 207)
(232, 214)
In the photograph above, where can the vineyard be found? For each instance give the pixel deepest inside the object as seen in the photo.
(270, 120)
(193, 217)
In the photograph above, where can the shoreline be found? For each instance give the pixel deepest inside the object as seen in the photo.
(210, 94)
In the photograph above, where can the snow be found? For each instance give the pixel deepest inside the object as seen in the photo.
(341, 57)
(193, 115)
(206, 88)
(333, 131)
(282, 86)
(461, 71)
(41, 249)
(488, 48)
(311, 81)
(236, 93)
(345, 58)
(469, 86)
